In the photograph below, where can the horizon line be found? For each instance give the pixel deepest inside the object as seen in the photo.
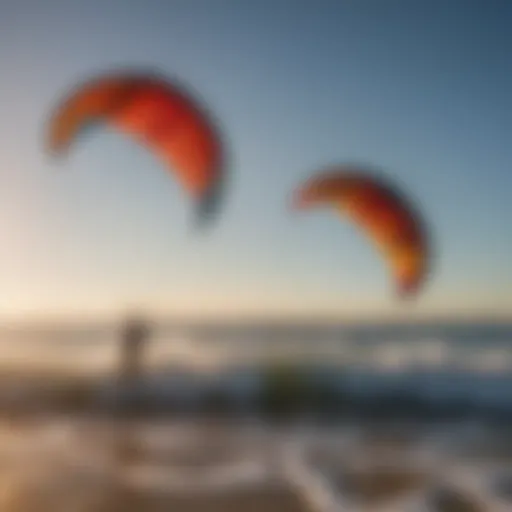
(159, 318)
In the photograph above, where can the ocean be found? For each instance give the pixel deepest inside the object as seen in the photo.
(443, 363)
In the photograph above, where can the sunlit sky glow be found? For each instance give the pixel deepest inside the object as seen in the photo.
(421, 89)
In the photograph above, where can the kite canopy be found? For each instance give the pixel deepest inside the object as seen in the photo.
(156, 113)
(382, 212)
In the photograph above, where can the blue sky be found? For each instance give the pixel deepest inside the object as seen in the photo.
(419, 88)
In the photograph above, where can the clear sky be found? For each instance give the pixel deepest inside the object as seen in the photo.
(419, 88)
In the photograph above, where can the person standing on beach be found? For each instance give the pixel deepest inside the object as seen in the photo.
(134, 336)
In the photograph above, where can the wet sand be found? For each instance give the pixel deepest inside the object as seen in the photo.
(53, 474)
(260, 499)
(77, 467)
(59, 487)
(122, 499)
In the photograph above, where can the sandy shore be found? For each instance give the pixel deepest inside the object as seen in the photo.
(28, 498)
(87, 468)
(75, 466)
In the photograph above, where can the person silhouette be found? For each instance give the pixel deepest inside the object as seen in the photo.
(134, 335)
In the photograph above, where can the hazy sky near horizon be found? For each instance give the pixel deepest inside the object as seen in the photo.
(421, 89)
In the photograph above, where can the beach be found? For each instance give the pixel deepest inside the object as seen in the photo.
(73, 466)
(68, 465)
(377, 420)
